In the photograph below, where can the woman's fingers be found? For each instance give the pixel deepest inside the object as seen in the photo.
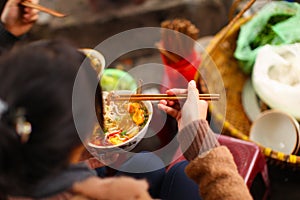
(30, 15)
(168, 103)
(27, 18)
(163, 102)
(169, 110)
(30, 11)
(94, 163)
(175, 91)
(193, 92)
(202, 107)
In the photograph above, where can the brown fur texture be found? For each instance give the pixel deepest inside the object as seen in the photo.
(217, 176)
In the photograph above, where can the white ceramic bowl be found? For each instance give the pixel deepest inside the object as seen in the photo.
(128, 145)
(96, 58)
(277, 130)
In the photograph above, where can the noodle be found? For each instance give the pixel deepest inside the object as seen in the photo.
(122, 121)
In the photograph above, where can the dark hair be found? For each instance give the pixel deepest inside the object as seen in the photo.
(2, 4)
(38, 78)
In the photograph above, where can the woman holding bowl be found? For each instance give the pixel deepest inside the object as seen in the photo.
(40, 149)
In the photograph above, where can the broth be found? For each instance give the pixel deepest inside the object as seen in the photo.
(122, 121)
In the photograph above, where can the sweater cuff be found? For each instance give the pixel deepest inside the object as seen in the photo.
(7, 40)
(196, 138)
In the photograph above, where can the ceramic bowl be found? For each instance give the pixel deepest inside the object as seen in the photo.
(277, 130)
(129, 144)
(96, 58)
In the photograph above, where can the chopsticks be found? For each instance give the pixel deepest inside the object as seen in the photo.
(156, 97)
(42, 8)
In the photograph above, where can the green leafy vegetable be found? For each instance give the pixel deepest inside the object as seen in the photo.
(267, 35)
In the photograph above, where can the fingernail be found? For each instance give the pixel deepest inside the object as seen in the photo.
(192, 83)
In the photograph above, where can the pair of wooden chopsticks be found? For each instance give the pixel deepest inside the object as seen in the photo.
(156, 97)
(42, 8)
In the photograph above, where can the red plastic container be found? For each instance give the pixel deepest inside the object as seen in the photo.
(177, 75)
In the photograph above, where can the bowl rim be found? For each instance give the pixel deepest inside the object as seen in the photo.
(95, 54)
(150, 111)
(292, 119)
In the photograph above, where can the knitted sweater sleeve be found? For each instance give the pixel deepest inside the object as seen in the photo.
(196, 138)
(211, 166)
(217, 176)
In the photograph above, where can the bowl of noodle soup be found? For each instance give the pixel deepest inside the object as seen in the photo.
(125, 124)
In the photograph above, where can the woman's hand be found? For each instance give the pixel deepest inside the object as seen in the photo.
(17, 19)
(193, 108)
(93, 162)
